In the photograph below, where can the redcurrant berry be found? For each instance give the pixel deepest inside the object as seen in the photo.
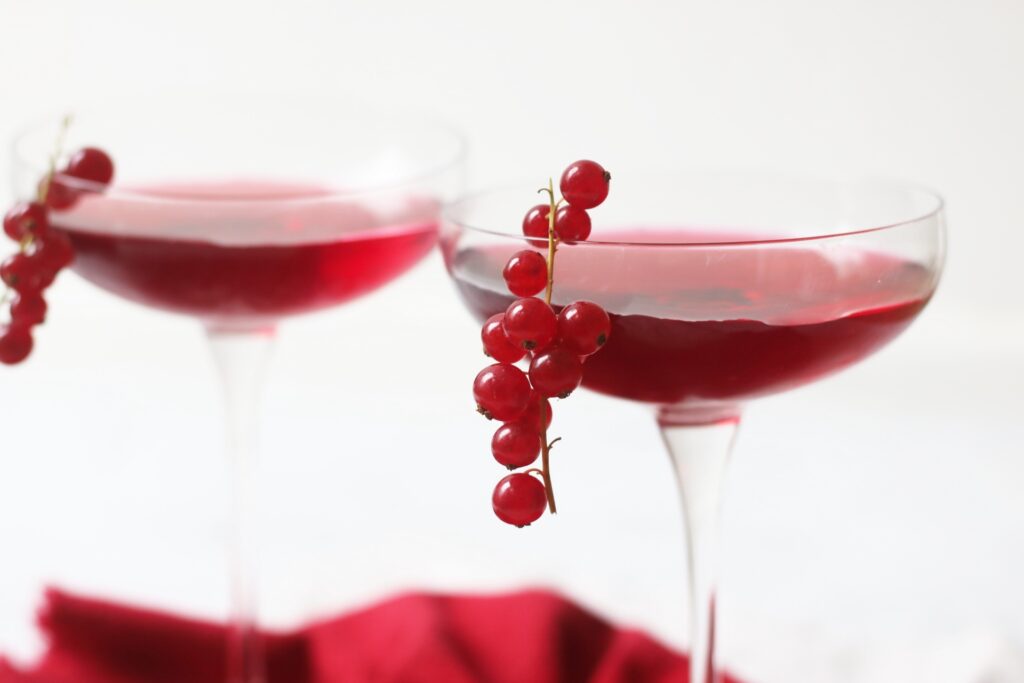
(55, 252)
(531, 415)
(26, 218)
(60, 195)
(28, 309)
(15, 344)
(515, 444)
(530, 323)
(91, 164)
(519, 499)
(572, 224)
(496, 344)
(22, 273)
(535, 223)
(556, 372)
(501, 392)
(47, 278)
(526, 273)
(583, 327)
(585, 184)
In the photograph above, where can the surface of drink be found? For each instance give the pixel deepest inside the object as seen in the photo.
(714, 322)
(245, 253)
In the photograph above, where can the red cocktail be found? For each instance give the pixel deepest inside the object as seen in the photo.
(733, 288)
(240, 214)
(245, 254)
(752, 327)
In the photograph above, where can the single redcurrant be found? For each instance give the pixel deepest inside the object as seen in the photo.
(583, 327)
(501, 392)
(572, 224)
(55, 252)
(60, 195)
(585, 184)
(531, 415)
(556, 372)
(516, 444)
(26, 218)
(519, 499)
(497, 344)
(530, 323)
(535, 223)
(526, 273)
(28, 309)
(92, 164)
(15, 344)
(47, 277)
(22, 273)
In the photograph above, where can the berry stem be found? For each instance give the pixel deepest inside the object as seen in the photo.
(552, 242)
(545, 463)
(545, 452)
(44, 187)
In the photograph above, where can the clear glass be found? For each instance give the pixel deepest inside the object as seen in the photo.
(240, 213)
(722, 288)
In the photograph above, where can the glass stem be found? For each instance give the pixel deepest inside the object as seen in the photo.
(699, 442)
(241, 359)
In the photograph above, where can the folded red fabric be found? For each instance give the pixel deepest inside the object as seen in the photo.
(527, 637)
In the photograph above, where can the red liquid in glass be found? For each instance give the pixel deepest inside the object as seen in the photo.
(243, 254)
(718, 324)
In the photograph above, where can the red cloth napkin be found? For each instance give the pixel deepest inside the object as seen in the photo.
(528, 637)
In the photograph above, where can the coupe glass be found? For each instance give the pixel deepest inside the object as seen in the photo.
(239, 214)
(721, 288)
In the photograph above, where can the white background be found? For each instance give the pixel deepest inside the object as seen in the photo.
(875, 523)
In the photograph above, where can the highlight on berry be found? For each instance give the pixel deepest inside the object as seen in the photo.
(550, 341)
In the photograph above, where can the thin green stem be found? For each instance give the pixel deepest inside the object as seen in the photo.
(545, 460)
(552, 242)
(544, 445)
(44, 187)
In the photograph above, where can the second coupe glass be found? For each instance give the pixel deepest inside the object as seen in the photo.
(239, 214)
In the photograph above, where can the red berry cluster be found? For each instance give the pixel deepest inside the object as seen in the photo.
(42, 252)
(554, 345)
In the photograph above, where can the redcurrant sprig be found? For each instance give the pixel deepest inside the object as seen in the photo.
(553, 343)
(42, 251)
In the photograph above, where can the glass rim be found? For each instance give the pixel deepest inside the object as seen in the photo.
(936, 209)
(458, 144)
